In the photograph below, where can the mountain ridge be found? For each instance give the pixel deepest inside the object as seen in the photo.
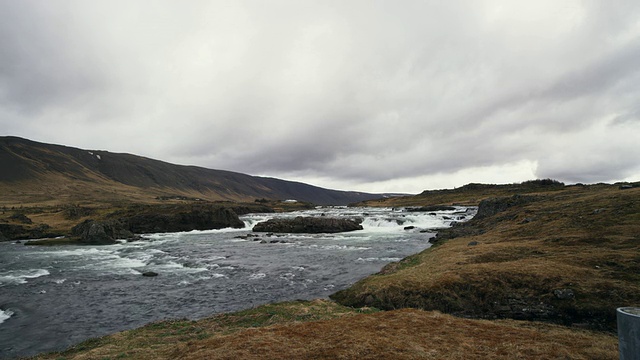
(31, 169)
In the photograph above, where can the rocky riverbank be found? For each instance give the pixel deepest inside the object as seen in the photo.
(104, 225)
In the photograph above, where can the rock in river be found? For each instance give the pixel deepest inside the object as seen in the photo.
(308, 224)
(100, 232)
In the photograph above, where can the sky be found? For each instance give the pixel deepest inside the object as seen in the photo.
(376, 96)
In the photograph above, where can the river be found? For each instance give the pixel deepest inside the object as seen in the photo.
(54, 297)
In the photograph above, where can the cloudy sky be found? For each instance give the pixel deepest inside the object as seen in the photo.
(379, 96)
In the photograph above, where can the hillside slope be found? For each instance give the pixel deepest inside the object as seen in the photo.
(37, 173)
(568, 256)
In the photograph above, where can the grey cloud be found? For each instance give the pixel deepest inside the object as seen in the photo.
(36, 69)
(356, 92)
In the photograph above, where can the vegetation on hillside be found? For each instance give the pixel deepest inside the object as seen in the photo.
(569, 256)
(44, 174)
(470, 194)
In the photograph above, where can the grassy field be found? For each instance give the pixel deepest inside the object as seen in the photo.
(537, 274)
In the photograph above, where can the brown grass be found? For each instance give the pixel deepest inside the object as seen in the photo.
(344, 334)
(583, 239)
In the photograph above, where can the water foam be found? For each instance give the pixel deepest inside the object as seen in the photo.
(218, 267)
(5, 315)
(171, 266)
(372, 259)
(257, 276)
(338, 247)
(213, 231)
(17, 277)
(91, 252)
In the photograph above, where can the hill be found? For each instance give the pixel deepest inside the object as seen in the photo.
(568, 255)
(34, 173)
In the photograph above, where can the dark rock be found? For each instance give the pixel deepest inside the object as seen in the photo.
(409, 227)
(149, 274)
(490, 207)
(40, 231)
(432, 208)
(197, 219)
(21, 218)
(20, 232)
(446, 218)
(101, 232)
(625, 187)
(598, 211)
(564, 294)
(11, 231)
(263, 241)
(473, 243)
(311, 225)
(243, 210)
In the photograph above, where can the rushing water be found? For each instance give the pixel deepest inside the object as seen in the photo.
(54, 297)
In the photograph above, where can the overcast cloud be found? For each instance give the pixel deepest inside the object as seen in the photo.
(358, 95)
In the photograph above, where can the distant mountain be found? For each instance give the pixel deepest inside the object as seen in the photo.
(35, 173)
